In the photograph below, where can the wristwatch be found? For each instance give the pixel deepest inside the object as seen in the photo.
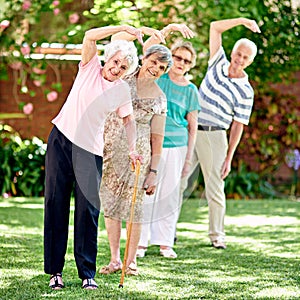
(153, 171)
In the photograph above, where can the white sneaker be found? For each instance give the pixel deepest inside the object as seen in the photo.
(141, 252)
(168, 253)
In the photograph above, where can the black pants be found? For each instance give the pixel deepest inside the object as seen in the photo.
(69, 168)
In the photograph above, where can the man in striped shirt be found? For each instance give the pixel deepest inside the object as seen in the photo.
(226, 100)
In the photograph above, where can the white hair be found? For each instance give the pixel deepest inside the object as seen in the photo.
(128, 49)
(247, 43)
(163, 54)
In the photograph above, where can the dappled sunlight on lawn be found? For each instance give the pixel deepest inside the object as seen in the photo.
(268, 247)
(277, 292)
(190, 230)
(22, 205)
(261, 261)
(263, 232)
(261, 220)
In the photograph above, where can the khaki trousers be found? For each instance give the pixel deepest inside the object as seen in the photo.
(210, 152)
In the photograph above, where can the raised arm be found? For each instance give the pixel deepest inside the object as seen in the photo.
(218, 27)
(156, 34)
(186, 32)
(89, 48)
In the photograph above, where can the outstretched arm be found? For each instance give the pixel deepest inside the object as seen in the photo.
(89, 48)
(218, 27)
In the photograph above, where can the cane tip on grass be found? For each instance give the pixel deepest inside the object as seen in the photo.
(120, 285)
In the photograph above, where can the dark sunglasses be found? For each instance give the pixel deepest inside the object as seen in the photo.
(179, 59)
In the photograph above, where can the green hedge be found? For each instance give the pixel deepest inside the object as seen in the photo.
(22, 162)
(23, 171)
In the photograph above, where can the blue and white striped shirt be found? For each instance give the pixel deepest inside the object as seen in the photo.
(224, 99)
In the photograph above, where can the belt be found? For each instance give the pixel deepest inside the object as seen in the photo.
(209, 128)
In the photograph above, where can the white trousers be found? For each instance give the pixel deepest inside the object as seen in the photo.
(161, 211)
(210, 151)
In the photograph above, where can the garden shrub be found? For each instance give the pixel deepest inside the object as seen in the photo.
(23, 164)
(239, 184)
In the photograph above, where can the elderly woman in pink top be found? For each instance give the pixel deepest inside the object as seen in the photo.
(74, 152)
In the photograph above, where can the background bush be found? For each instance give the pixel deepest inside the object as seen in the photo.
(23, 164)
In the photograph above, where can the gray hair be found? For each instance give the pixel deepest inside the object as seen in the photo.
(164, 54)
(187, 46)
(247, 43)
(127, 48)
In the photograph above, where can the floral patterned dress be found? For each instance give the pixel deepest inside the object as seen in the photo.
(118, 178)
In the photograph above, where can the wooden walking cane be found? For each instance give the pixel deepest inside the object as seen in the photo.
(136, 181)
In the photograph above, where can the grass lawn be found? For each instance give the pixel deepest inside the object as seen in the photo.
(261, 261)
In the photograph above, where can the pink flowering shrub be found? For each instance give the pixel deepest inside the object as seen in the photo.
(28, 108)
(52, 96)
(74, 18)
(26, 5)
(56, 11)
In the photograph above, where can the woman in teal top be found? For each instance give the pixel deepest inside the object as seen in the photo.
(161, 211)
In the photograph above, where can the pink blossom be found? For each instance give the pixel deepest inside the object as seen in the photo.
(4, 24)
(16, 65)
(38, 71)
(52, 96)
(25, 50)
(6, 195)
(55, 3)
(28, 108)
(37, 82)
(26, 4)
(56, 11)
(73, 18)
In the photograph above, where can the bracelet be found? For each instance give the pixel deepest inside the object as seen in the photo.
(153, 171)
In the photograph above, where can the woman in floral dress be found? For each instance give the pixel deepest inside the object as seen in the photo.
(149, 105)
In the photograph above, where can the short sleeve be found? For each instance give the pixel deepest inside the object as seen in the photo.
(220, 55)
(161, 107)
(125, 107)
(194, 99)
(93, 63)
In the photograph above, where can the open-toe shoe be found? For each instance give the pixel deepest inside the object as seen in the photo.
(89, 284)
(111, 268)
(56, 282)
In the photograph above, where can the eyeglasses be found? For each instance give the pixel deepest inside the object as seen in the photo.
(179, 59)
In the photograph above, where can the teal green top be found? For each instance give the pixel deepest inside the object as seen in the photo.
(180, 101)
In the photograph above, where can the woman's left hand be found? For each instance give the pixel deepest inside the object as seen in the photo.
(150, 183)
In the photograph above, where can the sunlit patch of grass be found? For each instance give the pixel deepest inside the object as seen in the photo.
(261, 261)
